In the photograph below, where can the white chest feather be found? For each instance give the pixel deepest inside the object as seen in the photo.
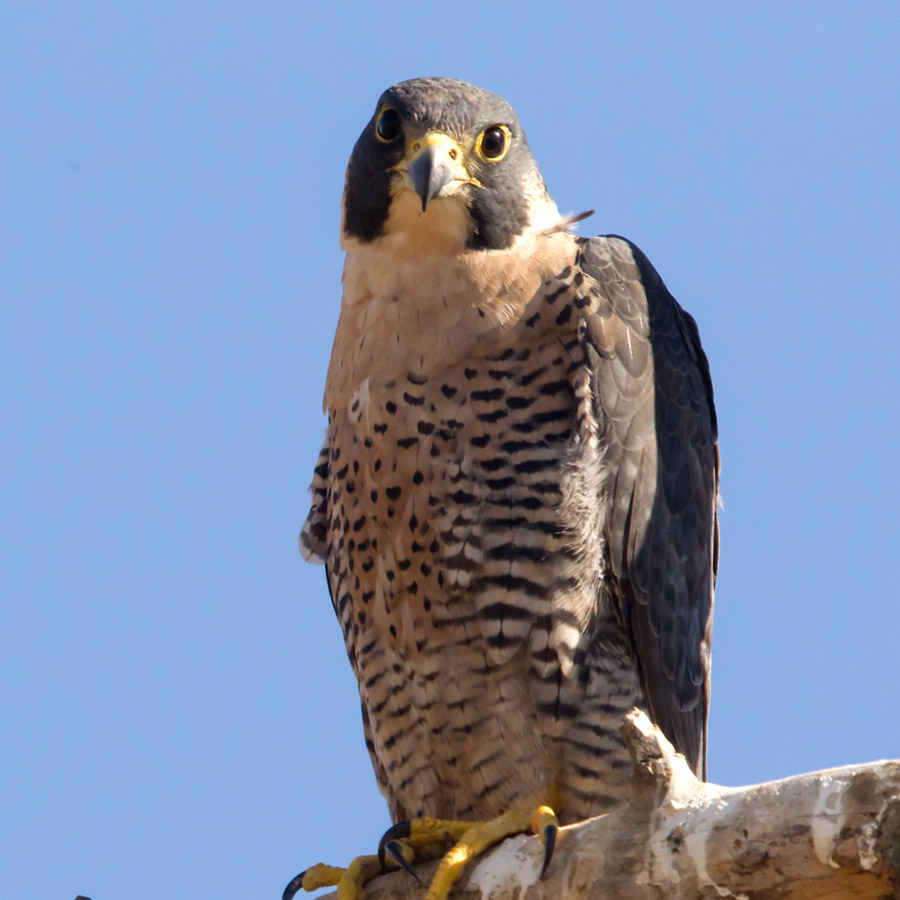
(412, 306)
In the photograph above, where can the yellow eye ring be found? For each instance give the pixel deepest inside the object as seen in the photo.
(388, 125)
(493, 143)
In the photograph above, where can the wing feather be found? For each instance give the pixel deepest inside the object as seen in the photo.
(654, 401)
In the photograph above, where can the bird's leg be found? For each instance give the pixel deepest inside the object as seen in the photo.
(349, 881)
(472, 838)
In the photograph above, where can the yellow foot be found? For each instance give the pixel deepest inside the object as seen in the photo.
(470, 839)
(349, 882)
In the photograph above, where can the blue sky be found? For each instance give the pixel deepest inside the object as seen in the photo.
(178, 715)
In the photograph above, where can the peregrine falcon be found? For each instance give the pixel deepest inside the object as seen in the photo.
(516, 500)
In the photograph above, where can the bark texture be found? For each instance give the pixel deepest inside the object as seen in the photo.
(830, 835)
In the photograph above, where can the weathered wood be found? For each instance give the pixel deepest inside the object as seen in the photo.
(827, 835)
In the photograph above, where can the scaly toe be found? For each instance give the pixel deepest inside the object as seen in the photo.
(349, 882)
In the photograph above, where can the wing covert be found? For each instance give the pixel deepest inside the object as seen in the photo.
(654, 402)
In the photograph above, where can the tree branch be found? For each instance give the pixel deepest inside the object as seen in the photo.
(829, 835)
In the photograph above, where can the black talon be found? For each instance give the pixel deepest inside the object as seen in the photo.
(549, 843)
(293, 886)
(392, 848)
(400, 830)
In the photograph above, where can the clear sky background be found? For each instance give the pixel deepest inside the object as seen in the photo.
(177, 715)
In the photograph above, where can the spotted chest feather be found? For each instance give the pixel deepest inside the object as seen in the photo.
(464, 485)
(461, 517)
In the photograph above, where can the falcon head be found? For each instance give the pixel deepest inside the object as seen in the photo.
(443, 156)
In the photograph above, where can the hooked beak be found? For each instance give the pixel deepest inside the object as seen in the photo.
(436, 161)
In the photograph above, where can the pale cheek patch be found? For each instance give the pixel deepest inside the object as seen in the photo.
(445, 224)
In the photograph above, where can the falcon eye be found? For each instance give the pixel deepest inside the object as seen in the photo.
(493, 143)
(388, 126)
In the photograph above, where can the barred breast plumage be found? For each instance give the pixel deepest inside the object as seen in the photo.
(516, 505)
